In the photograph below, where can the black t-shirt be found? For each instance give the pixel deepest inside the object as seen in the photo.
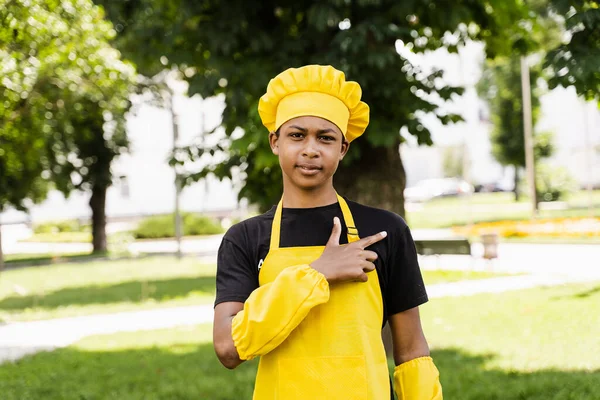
(246, 244)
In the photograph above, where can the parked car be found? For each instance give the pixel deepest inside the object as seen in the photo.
(428, 189)
(500, 186)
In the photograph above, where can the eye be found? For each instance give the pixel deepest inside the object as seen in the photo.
(296, 135)
(327, 138)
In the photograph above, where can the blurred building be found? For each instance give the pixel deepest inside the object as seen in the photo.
(574, 123)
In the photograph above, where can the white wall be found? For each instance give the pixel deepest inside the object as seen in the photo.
(562, 112)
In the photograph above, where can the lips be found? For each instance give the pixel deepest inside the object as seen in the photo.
(308, 169)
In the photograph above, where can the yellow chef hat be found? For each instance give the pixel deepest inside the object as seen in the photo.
(315, 90)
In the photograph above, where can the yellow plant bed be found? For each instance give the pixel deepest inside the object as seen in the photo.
(549, 227)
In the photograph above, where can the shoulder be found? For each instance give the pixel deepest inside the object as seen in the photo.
(377, 217)
(244, 231)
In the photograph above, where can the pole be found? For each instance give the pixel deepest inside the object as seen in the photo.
(588, 149)
(528, 132)
(202, 143)
(178, 232)
(466, 176)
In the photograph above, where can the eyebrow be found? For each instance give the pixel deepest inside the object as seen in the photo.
(326, 130)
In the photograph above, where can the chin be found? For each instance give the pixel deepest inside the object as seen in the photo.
(309, 184)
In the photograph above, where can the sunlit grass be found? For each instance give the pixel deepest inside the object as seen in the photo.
(537, 344)
(487, 207)
(74, 289)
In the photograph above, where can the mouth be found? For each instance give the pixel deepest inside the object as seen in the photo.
(308, 169)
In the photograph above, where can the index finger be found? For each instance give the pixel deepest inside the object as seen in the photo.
(369, 240)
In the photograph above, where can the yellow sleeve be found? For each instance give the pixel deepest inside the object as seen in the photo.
(417, 379)
(274, 310)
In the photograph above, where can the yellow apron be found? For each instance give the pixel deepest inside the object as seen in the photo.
(336, 352)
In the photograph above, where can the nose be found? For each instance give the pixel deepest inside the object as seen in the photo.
(311, 149)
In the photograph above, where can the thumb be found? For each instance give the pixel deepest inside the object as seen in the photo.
(334, 239)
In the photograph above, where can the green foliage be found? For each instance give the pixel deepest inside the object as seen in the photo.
(553, 183)
(163, 226)
(453, 162)
(65, 96)
(233, 48)
(500, 86)
(66, 90)
(544, 145)
(61, 226)
(575, 62)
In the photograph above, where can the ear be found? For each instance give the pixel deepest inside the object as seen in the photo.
(274, 142)
(344, 149)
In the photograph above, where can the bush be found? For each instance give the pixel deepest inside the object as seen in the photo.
(553, 183)
(163, 226)
(61, 226)
(194, 224)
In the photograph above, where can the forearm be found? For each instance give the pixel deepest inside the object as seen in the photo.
(415, 375)
(418, 349)
(223, 343)
(274, 310)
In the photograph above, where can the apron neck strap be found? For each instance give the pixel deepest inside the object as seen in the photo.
(347, 215)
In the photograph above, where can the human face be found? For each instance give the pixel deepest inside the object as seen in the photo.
(309, 151)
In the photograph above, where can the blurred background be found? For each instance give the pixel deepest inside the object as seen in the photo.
(130, 142)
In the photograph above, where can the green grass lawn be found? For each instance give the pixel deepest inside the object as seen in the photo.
(487, 207)
(432, 277)
(47, 258)
(86, 237)
(60, 237)
(538, 344)
(65, 290)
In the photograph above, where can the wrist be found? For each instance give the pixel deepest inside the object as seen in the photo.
(315, 265)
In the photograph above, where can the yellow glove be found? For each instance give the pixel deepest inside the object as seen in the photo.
(274, 310)
(417, 379)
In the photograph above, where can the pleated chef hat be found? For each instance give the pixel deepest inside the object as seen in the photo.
(315, 90)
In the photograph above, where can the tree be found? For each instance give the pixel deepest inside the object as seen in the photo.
(234, 47)
(67, 94)
(20, 168)
(575, 61)
(500, 86)
(21, 149)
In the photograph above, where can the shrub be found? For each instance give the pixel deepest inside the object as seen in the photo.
(163, 226)
(194, 224)
(553, 183)
(61, 226)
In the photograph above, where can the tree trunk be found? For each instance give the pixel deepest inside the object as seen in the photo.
(516, 188)
(376, 179)
(98, 205)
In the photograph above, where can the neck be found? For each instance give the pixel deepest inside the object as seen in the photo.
(294, 197)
